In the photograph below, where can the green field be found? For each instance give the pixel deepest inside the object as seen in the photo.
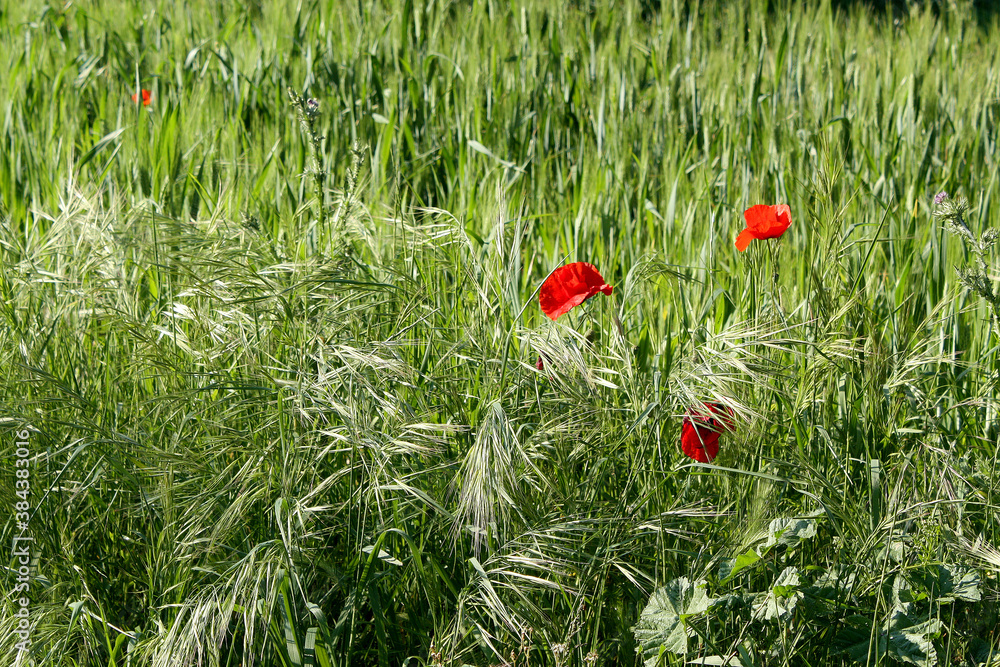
(269, 391)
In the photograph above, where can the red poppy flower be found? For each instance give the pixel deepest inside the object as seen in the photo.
(764, 222)
(702, 428)
(569, 286)
(147, 98)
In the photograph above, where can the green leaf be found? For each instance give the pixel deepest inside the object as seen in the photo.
(903, 595)
(382, 555)
(662, 624)
(789, 532)
(947, 583)
(99, 146)
(829, 591)
(781, 600)
(834, 580)
(731, 568)
(479, 148)
(915, 645)
(309, 648)
(894, 551)
(984, 653)
(857, 644)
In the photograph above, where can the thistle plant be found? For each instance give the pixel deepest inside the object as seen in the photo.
(309, 114)
(976, 278)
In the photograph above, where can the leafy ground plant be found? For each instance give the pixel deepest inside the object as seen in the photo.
(863, 616)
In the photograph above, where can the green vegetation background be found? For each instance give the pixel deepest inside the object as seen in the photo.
(283, 403)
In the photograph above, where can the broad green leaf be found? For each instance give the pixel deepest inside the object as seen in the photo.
(780, 601)
(789, 532)
(730, 568)
(829, 591)
(857, 644)
(947, 583)
(834, 579)
(903, 594)
(915, 645)
(895, 551)
(662, 624)
(729, 601)
(984, 653)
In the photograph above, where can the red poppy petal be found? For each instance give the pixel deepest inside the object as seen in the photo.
(724, 415)
(744, 239)
(767, 222)
(759, 217)
(698, 443)
(569, 286)
(712, 416)
(782, 220)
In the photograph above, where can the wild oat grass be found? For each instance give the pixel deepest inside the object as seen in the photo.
(274, 335)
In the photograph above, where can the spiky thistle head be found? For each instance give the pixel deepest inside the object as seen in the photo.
(951, 209)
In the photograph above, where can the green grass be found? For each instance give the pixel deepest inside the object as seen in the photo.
(282, 402)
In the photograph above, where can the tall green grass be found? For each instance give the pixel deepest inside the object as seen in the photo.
(283, 419)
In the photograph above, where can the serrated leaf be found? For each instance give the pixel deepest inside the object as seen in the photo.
(903, 595)
(902, 617)
(728, 601)
(789, 532)
(662, 624)
(914, 649)
(895, 551)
